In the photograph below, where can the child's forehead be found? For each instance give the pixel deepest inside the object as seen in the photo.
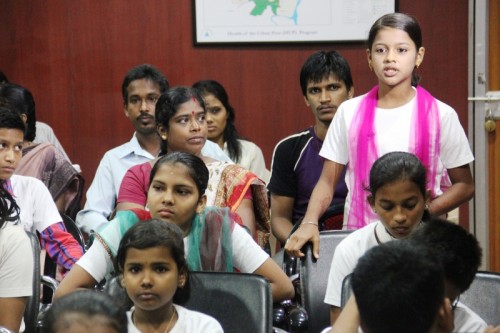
(12, 136)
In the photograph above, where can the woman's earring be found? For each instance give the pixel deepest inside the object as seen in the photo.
(182, 281)
(164, 137)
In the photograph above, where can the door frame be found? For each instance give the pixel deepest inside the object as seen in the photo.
(478, 88)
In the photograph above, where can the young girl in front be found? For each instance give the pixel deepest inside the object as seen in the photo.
(212, 239)
(154, 273)
(396, 115)
(398, 196)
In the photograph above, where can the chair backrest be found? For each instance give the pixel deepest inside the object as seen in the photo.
(113, 288)
(314, 278)
(73, 229)
(483, 297)
(346, 290)
(32, 307)
(240, 302)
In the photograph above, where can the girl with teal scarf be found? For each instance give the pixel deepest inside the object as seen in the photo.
(213, 241)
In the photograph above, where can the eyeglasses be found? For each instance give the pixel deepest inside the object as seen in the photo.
(455, 303)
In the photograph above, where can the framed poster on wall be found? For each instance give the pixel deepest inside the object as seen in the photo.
(271, 21)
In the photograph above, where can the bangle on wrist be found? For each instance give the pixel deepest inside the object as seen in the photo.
(309, 222)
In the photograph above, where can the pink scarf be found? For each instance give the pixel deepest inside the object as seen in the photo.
(424, 143)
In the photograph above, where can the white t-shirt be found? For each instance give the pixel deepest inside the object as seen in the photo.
(16, 263)
(252, 159)
(346, 256)
(36, 206)
(188, 321)
(247, 255)
(393, 127)
(467, 321)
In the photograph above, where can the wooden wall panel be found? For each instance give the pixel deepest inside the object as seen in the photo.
(74, 54)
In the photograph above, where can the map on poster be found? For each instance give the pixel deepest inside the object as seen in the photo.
(223, 21)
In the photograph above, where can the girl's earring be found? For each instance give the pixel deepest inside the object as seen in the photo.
(164, 137)
(182, 282)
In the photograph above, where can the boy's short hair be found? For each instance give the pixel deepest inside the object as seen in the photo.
(458, 250)
(398, 288)
(10, 119)
(88, 307)
(321, 65)
(21, 100)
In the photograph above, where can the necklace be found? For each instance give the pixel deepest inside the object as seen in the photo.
(169, 322)
(171, 318)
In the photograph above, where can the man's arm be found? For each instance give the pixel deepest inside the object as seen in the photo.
(281, 216)
(320, 200)
(101, 197)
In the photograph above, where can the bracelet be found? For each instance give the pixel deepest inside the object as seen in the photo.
(309, 222)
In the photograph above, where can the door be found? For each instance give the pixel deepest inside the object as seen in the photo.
(484, 89)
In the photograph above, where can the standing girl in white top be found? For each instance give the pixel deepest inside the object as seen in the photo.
(396, 115)
(155, 275)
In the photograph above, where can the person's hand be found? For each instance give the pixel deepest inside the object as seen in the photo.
(491, 329)
(307, 231)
